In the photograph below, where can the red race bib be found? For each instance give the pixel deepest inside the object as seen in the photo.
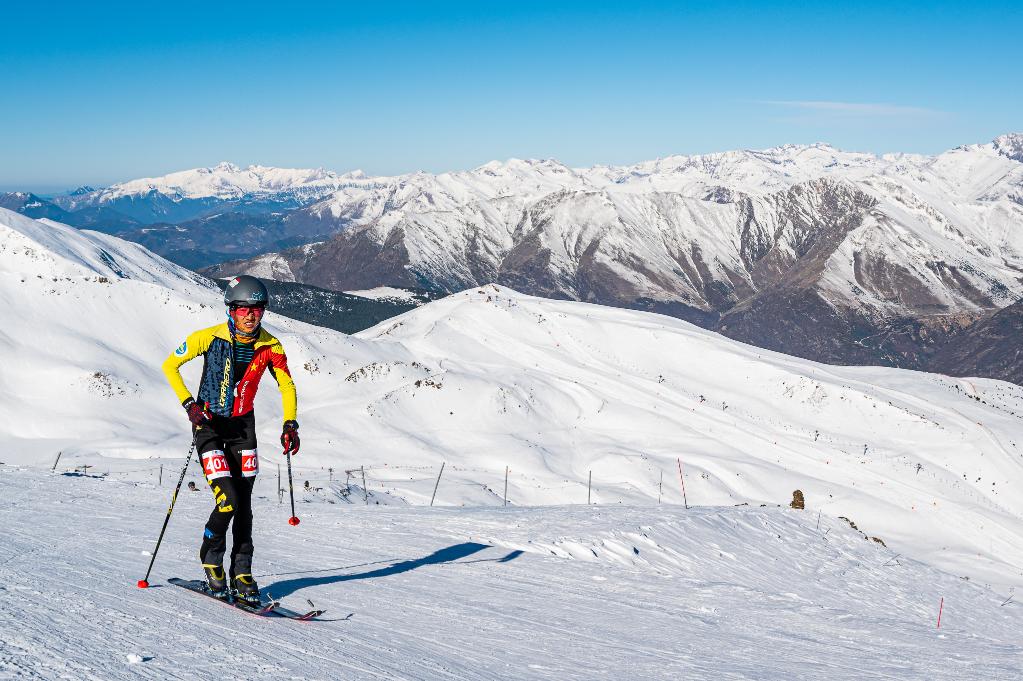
(214, 465)
(250, 463)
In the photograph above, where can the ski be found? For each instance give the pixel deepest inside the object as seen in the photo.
(268, 609)
(294, 615)
(199, 587)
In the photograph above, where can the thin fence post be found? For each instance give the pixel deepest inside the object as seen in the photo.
(589, 485)
(660, 488)
(365, 490)
(437, 484)
(683, 481)
(505, 485)
(161, 475)
(331, 471)
(58, 459)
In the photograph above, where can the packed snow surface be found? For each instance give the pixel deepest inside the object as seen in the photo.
(557, 592)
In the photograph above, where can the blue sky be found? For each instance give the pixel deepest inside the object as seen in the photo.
(101, 92)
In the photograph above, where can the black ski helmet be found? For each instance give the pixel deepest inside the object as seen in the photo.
(245, 290)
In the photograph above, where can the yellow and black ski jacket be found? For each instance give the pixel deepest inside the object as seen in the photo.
(225, 396)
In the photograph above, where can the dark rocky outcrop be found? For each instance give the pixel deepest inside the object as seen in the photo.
(990, 348)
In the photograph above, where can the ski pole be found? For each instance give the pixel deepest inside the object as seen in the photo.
(293, 520)
(144, 582)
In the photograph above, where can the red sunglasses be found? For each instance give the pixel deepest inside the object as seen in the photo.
(244, 310)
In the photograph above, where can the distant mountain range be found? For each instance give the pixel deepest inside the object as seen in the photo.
(835, 256)
(841, 257)
(91, 217)
(201, 216)
(199, 192)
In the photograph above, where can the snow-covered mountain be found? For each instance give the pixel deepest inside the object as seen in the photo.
(489, 378)
(34, 206)
(190, 194)
(731, 241)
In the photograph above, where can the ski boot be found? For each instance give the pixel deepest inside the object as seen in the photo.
(246, 589)
(216, 580)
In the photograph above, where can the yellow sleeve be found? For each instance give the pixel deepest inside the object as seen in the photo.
(195, 345)
(280, 371)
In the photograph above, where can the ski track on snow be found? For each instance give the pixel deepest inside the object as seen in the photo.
(653, 593)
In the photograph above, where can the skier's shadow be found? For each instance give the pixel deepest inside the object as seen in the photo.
(445, 555)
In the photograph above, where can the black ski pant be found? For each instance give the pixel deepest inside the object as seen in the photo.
(227, 450)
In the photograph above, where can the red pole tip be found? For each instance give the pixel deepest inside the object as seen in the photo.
(293, 520)
(143, 584)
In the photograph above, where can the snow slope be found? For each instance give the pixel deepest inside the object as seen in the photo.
(488, 379)
(386, 293)
(457, 593)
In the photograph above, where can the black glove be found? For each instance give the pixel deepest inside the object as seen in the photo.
(289, 437)
(198, 413)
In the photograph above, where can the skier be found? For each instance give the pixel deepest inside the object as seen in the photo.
(235, 354)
